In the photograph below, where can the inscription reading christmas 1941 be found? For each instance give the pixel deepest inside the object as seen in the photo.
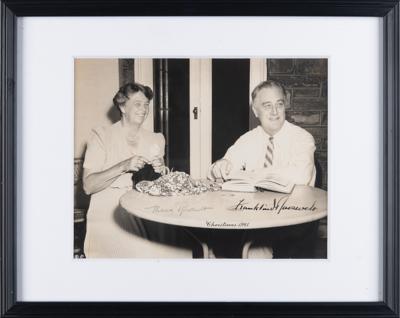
(225, 224)
(276, 206)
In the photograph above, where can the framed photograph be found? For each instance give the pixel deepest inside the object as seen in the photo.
(192, 209)
(232, 160)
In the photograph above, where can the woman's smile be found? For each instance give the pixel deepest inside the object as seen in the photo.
(136, 108)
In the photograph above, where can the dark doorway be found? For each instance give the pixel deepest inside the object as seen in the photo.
(230, 103)
(171, 110)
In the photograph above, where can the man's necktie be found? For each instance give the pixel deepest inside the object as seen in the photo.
(269, 156)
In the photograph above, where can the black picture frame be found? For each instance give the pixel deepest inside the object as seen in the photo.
(387, 9)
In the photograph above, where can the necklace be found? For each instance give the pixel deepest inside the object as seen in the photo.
(133, 140)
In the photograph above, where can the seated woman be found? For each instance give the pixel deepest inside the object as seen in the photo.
(113, 156)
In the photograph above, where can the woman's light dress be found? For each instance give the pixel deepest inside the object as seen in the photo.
(111, 231)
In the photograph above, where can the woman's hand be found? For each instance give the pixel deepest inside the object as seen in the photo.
(96, 181)
(158, 165)
(136, 163)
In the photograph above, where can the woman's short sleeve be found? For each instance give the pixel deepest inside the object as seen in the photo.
(95, 155)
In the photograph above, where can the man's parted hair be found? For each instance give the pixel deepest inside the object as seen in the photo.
(267, 84)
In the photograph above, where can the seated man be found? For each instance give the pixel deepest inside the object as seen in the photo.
(276, 145)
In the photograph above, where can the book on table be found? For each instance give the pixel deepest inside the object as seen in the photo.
(245, 181)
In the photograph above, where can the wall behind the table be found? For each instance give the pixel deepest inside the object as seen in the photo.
(96, 82)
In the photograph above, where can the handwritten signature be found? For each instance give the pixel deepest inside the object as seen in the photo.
(177, 211)
(277, 206)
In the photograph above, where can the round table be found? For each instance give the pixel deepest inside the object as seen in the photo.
(213, 213)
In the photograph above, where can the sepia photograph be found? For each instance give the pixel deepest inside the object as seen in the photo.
(201, 158)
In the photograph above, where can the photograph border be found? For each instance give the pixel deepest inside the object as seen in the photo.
(387, 9)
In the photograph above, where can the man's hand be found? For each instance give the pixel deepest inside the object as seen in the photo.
(220, 169)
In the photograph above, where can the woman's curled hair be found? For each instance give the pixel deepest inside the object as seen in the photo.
(128, 89)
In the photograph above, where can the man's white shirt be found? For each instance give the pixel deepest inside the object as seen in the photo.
(293, 153)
